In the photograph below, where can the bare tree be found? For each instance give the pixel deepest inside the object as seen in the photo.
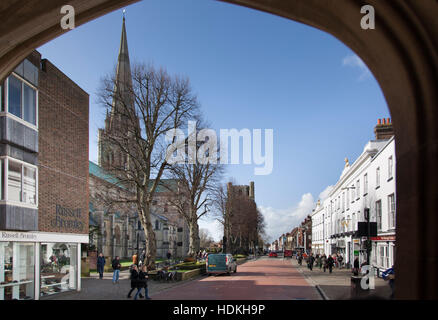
(197, 182)
(223, 214)
(142, 113)
(205, 238)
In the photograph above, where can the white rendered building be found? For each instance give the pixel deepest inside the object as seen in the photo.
(368, 183)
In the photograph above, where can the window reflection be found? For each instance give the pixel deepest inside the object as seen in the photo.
(17, 271)
(58, 267)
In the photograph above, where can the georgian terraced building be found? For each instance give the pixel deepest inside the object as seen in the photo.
(367, 183)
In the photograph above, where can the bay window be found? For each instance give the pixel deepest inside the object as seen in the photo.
(18, 182)
(21, 100)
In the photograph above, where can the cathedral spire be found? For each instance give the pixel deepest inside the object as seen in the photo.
(123, 83)
(109, 155)
(123, 66)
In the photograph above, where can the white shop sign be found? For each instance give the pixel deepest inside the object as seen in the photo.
(43, 237)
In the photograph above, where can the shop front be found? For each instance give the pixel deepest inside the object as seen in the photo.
(383, 252)
(37, 264)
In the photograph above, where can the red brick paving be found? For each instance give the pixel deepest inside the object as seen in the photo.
(263, 279)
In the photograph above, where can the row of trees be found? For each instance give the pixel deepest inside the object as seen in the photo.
(144, 111)
(243, 223)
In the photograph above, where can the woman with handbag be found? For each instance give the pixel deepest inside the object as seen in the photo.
(142, 283)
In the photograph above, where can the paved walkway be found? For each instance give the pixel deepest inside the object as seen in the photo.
(95, 289)
(337, 285)
(262, 279)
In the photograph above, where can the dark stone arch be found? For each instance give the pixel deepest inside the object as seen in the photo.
(401, 53)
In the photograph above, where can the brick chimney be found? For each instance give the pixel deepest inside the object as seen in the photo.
(383, 130)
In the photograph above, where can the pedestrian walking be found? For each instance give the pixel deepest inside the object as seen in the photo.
(324, 262)
(116, 267)
(340, 259)
(311, 261)
(300, 259)
(134, 279)
(356, 267)
(135, 259)
(389, 275)
(142, 257)
(169, 255)
(330, 263)
(100, 265)
(318, 261)
(142, 283)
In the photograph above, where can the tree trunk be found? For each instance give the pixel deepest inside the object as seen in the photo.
(194, 238)
(151, 246)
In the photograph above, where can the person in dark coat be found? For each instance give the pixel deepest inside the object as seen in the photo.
(134, 280)
(142, 283)
(100, 265)
(116, 267)
(330, 263)
(324, 262)
(356, 267)
(311, 261)
(340, 259)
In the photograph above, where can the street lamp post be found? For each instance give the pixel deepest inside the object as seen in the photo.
(367, 217)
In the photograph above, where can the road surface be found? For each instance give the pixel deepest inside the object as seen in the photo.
(262, 279)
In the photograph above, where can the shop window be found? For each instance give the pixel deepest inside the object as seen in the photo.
(382, 256)
(17, 270)
(59, 263)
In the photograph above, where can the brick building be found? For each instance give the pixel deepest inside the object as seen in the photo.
(44, 180)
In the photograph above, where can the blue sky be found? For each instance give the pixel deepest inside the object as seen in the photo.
(250, 70)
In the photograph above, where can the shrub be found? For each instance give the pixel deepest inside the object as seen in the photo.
(189, 259)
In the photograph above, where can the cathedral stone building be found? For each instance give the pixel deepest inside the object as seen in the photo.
(117, 228)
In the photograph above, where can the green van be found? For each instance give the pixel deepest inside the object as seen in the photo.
(220, 263)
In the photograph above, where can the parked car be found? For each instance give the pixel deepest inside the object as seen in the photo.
(273, 254)
(220, 263)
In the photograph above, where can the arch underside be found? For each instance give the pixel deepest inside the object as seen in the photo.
(401, 53)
